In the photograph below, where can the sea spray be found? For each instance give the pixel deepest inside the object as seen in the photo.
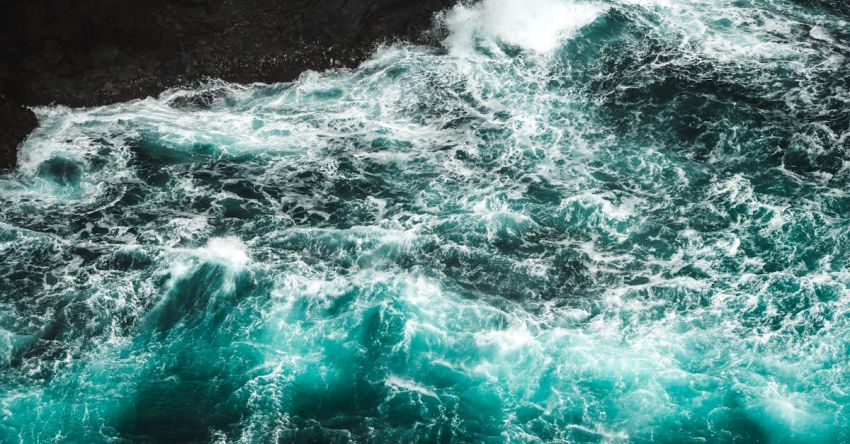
(619, 221)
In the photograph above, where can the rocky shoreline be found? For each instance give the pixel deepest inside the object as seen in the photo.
(96, 52)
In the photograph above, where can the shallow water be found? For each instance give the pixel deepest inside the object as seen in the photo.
(622, 221)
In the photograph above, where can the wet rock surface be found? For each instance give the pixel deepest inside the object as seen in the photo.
(16, 121)
(95, 52)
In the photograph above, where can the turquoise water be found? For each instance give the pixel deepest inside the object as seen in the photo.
(622, 221)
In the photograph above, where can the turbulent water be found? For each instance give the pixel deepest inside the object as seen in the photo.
(622, 221)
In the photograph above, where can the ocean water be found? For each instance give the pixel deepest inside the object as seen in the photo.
(576, 222)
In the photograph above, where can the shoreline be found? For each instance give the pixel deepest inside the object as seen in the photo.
(93, 53)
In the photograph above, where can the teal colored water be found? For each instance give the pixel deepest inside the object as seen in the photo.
(622, 221)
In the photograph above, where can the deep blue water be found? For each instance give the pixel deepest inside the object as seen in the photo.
(622, 221)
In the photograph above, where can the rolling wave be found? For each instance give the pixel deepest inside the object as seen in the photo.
(621, 221)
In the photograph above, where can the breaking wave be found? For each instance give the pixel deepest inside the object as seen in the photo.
(622, 221)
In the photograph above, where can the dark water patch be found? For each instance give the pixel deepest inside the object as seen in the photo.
(63, 172)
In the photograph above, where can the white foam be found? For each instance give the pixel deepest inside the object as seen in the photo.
(6, 341)
(534, 25)
(229, 251)
(401, 384)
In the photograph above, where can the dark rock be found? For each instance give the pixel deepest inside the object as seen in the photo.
(16, 122)
(52, 53)
(95, 52)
